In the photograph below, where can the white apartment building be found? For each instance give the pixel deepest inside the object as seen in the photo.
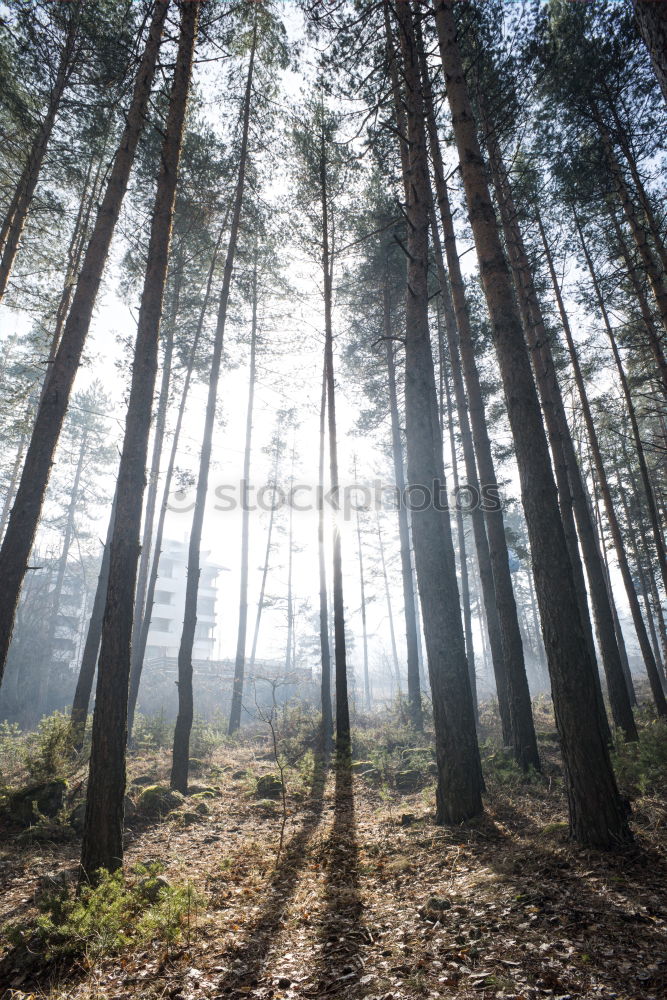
(164, 635)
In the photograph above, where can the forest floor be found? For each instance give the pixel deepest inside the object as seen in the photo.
(366, 897)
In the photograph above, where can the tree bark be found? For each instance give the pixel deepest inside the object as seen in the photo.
(154, 475)
(48, 679)
(24, 518)
(325, 647)
(493, 559)
(137, 662)
(362, 587)
(446, 403)
(597, 815)
(102, 845)
(390, 613)
(643, 468)
(91, 648)
(181, 749)
(239, 666)
(409, 597)
(571, 493)
(340, 656)
(612, 521)
(459, 788)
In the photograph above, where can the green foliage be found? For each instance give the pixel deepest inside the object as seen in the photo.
(152, 732)
(110, 917)
(50, 750)
(641, 768)
(500, 767)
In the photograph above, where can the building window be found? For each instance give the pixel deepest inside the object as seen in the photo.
(160, 624)
(201, 631)
(163, 597)
(206, 605)
(166, 568)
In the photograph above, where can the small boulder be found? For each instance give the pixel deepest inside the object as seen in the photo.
(158, 800)
(269, 786)
(77, 817)
(361, 766)
(196, 766)
(204, 790)
(26, 805)
(408, 781)
(239, 775)
(202, 809)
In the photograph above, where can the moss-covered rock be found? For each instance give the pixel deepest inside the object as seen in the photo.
(25, 806)
(408, 781)
(158, 800)
(202, 809)
(206, 791)
(362, 766)
(196, 766)
(269, 786)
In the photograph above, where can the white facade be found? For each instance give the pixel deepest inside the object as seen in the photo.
(164, 635)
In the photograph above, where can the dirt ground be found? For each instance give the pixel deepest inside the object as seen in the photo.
(369, 899)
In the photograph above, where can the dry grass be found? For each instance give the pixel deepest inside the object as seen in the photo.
(363, 903)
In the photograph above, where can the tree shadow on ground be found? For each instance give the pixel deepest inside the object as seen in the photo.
(342, 933)
(608, 908)
(249, 956)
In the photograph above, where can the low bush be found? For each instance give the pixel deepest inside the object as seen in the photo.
(110, 917)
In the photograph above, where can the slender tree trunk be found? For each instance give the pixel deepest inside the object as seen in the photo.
(643, 573)
(24, 518)
(499, 600)
(652, 23)
(181, 749)
(137, 660)
(597, 815)
(390, 613)
(13, 479)
(267, 556)
(445, 393)
(289, 663)
(641, 458)
(362, 588)
(650, 585)
(89, 197)
(14, 222)
(524, 745)
(48, 678)
(239, 666)
(102, 845)
(459, 789)
(91, 648)
(571, 492)
(409, 596)
(154, 473)
(612, 521)
(340, 656)
(325, 647)
(620, 638)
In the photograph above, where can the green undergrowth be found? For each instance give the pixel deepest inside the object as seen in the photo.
(111, 917)
(641, 768)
